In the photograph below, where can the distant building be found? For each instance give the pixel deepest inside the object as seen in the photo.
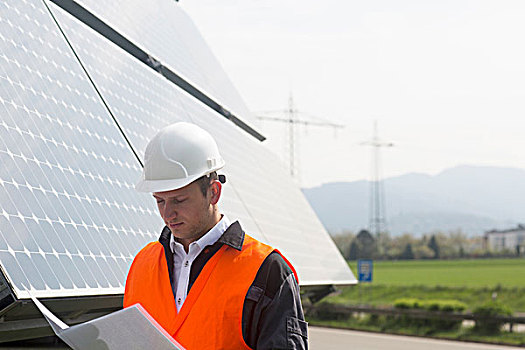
(512, 239)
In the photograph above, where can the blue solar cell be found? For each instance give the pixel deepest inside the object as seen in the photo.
(108, 270)
(73, 271)
(43, 269)
(34, 278)
(58, 269)
(17, 276)
(42, 242)
(3, 242)
(86, 273)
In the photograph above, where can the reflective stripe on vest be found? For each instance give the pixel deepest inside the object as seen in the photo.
(211, 316)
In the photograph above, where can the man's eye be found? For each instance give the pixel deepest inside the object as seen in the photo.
(159, 201)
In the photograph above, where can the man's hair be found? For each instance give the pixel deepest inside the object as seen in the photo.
(205, 181)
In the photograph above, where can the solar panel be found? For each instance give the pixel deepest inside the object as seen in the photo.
(70, 220)
(259, 192)
(169, 35)
(71, 125)
(73, 120)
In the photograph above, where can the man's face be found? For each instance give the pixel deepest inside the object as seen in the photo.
(187, 213)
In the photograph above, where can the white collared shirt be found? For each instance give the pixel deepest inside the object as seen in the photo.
(182, 261)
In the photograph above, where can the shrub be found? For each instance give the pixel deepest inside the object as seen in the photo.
(488, 310)
(430, 305)
(407, 303)
(327, 311)
(444, 305)
(372, 319)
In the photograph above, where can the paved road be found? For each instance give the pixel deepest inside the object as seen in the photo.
(335, 339)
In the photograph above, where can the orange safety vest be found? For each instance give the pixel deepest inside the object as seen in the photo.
(211, 316)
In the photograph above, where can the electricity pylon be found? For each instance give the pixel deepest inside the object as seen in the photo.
(291, 119)
(377, 214)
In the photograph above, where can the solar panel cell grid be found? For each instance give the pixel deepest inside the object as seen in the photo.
(69, 225)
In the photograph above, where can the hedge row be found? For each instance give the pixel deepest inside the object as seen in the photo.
(488, 310)
(433, 324)
(431, 305)
(425, 322)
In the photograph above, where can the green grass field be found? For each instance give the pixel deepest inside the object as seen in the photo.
(473, 282)
(452, 273)
(385, 295)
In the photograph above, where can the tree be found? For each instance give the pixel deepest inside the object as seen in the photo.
(366, 245)
(407, 254)
(461, 252)
(352, 254)
(363, 246)
(383, 244)
(343, 241)
(422, 251)
(434, 246)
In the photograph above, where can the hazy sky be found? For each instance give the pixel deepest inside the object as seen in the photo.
(444, 79)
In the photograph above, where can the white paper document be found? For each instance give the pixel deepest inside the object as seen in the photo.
(130, 328)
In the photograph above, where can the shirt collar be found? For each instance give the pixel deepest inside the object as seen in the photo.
(233, 236)
(210, 237)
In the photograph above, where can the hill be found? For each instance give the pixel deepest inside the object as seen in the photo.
(468, 198)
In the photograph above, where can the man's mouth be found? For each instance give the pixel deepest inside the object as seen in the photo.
(173, 225)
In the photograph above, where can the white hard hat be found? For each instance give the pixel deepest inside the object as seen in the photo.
(178, 155)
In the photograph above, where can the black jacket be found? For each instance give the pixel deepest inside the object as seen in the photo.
(272, 316)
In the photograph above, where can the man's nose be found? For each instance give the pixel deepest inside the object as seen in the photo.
(169, 212)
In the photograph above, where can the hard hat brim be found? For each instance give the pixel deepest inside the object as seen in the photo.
(170, 184)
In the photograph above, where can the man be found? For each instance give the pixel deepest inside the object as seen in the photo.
(205, 281)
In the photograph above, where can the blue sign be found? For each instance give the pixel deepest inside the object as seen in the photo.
(364, 270)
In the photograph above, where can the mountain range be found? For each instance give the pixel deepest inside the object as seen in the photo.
(473, 199)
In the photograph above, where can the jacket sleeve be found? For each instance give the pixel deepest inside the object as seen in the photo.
(272, 315)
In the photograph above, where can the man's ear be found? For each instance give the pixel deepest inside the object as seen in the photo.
(215, 190)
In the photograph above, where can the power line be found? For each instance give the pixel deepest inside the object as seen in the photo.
(377, 215)
(291, 119)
